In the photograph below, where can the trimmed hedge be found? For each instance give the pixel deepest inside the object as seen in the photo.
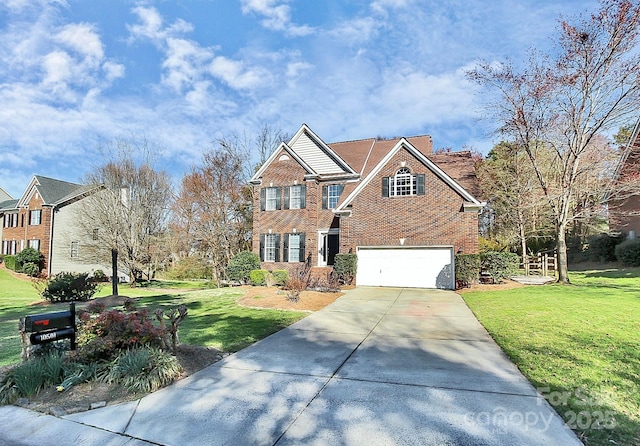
(67, 287)
(258, 277)
(280, 276)
(628, 252)
(497, 265)
(467, 269)
(345, 267)
(10, 262)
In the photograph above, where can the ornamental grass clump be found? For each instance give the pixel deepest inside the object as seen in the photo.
(145, 369)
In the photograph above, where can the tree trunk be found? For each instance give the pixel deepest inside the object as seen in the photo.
(523, 236)
(114, 272)
(563, 268)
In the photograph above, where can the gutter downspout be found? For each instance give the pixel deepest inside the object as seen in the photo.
(53, 208)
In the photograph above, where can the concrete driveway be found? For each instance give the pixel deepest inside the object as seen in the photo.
(380, 366)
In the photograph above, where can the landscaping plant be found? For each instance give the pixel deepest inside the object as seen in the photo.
(67, 287)
(241, 265)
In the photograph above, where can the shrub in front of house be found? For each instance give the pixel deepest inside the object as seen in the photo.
(100, 276)
(499, 265)
(241, 265)
(467, 269)
(345, 266)
(31, 269)
(67, 287)
(628, 252)
(280, 276)
(259, 277)
(10, 262)
(602, 247)
(29, 255)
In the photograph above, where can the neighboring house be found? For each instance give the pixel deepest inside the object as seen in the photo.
(403, 210)
(624, 211)
(43, 218)
(5, 200)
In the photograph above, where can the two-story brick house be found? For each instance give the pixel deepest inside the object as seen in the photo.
(43, 218)
(403, 210)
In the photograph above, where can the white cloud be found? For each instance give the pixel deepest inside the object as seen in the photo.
(82, 38)
(151, 26)
(294, 69)
(184, 64)
(277, 16)
(234, 74)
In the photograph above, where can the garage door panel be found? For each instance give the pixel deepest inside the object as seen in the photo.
(406, 267)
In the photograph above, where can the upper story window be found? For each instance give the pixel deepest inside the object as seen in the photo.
(74, 250)
(35, 217)
(295, 197)
(270, 198)
(403, 184)
(11, 220)
(331, 195)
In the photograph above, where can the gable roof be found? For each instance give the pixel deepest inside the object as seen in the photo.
(8, 205)
(51, 190)
(4, 195)
(404, 143)
(313, 154)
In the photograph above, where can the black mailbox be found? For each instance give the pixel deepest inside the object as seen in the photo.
(49, 327)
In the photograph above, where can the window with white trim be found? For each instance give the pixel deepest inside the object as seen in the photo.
(35, 244)
(270, 247)
(74, 252)
(402, 183)
(11, 220)
(296, 197)
(35, 217)
(294, 248)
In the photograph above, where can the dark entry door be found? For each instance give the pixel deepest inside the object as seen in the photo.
(333, 247)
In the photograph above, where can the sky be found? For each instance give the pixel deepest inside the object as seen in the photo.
(76, 75)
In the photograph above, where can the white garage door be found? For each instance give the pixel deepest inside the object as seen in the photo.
(411, 267)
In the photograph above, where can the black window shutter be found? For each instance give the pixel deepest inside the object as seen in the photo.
(277, 259)
(420, 184)
(385, 186)
(262, 247)
(278, 198)
(287, 194)
(263, 199)
(303, 196)
(285, 249)
(325, 192)
(302, 240)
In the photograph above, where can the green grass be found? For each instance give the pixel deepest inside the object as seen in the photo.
(214, 319)
(579, 345)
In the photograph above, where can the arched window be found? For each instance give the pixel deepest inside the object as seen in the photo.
(402, 183)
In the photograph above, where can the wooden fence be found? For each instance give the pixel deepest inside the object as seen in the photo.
(543, 264)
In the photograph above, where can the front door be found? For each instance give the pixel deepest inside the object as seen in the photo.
(329, 246)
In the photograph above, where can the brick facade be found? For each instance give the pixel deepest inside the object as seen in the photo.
(25, 231)
(435, 218)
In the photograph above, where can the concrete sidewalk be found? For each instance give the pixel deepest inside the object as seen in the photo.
(380, 366)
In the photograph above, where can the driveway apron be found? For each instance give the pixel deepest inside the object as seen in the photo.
(379, 366)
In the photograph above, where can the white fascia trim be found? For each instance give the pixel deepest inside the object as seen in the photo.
(255, 179)
(473, 207)
(333, 155)
(28, 192)
(423, 159)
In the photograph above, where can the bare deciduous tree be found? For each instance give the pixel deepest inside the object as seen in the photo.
(127, 218)
(562, 102)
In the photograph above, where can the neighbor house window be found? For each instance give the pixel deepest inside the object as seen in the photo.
(270, 247)
(294, 247)
(295, 197)
(35, 244)
(331, 195)
(35, 217)
(403, 184)
(75, 250)
(270, 198)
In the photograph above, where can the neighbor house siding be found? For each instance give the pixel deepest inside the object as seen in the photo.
(66, 231)
(435, 218)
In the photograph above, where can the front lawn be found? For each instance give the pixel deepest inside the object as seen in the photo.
(579, 345)
(214, 319)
